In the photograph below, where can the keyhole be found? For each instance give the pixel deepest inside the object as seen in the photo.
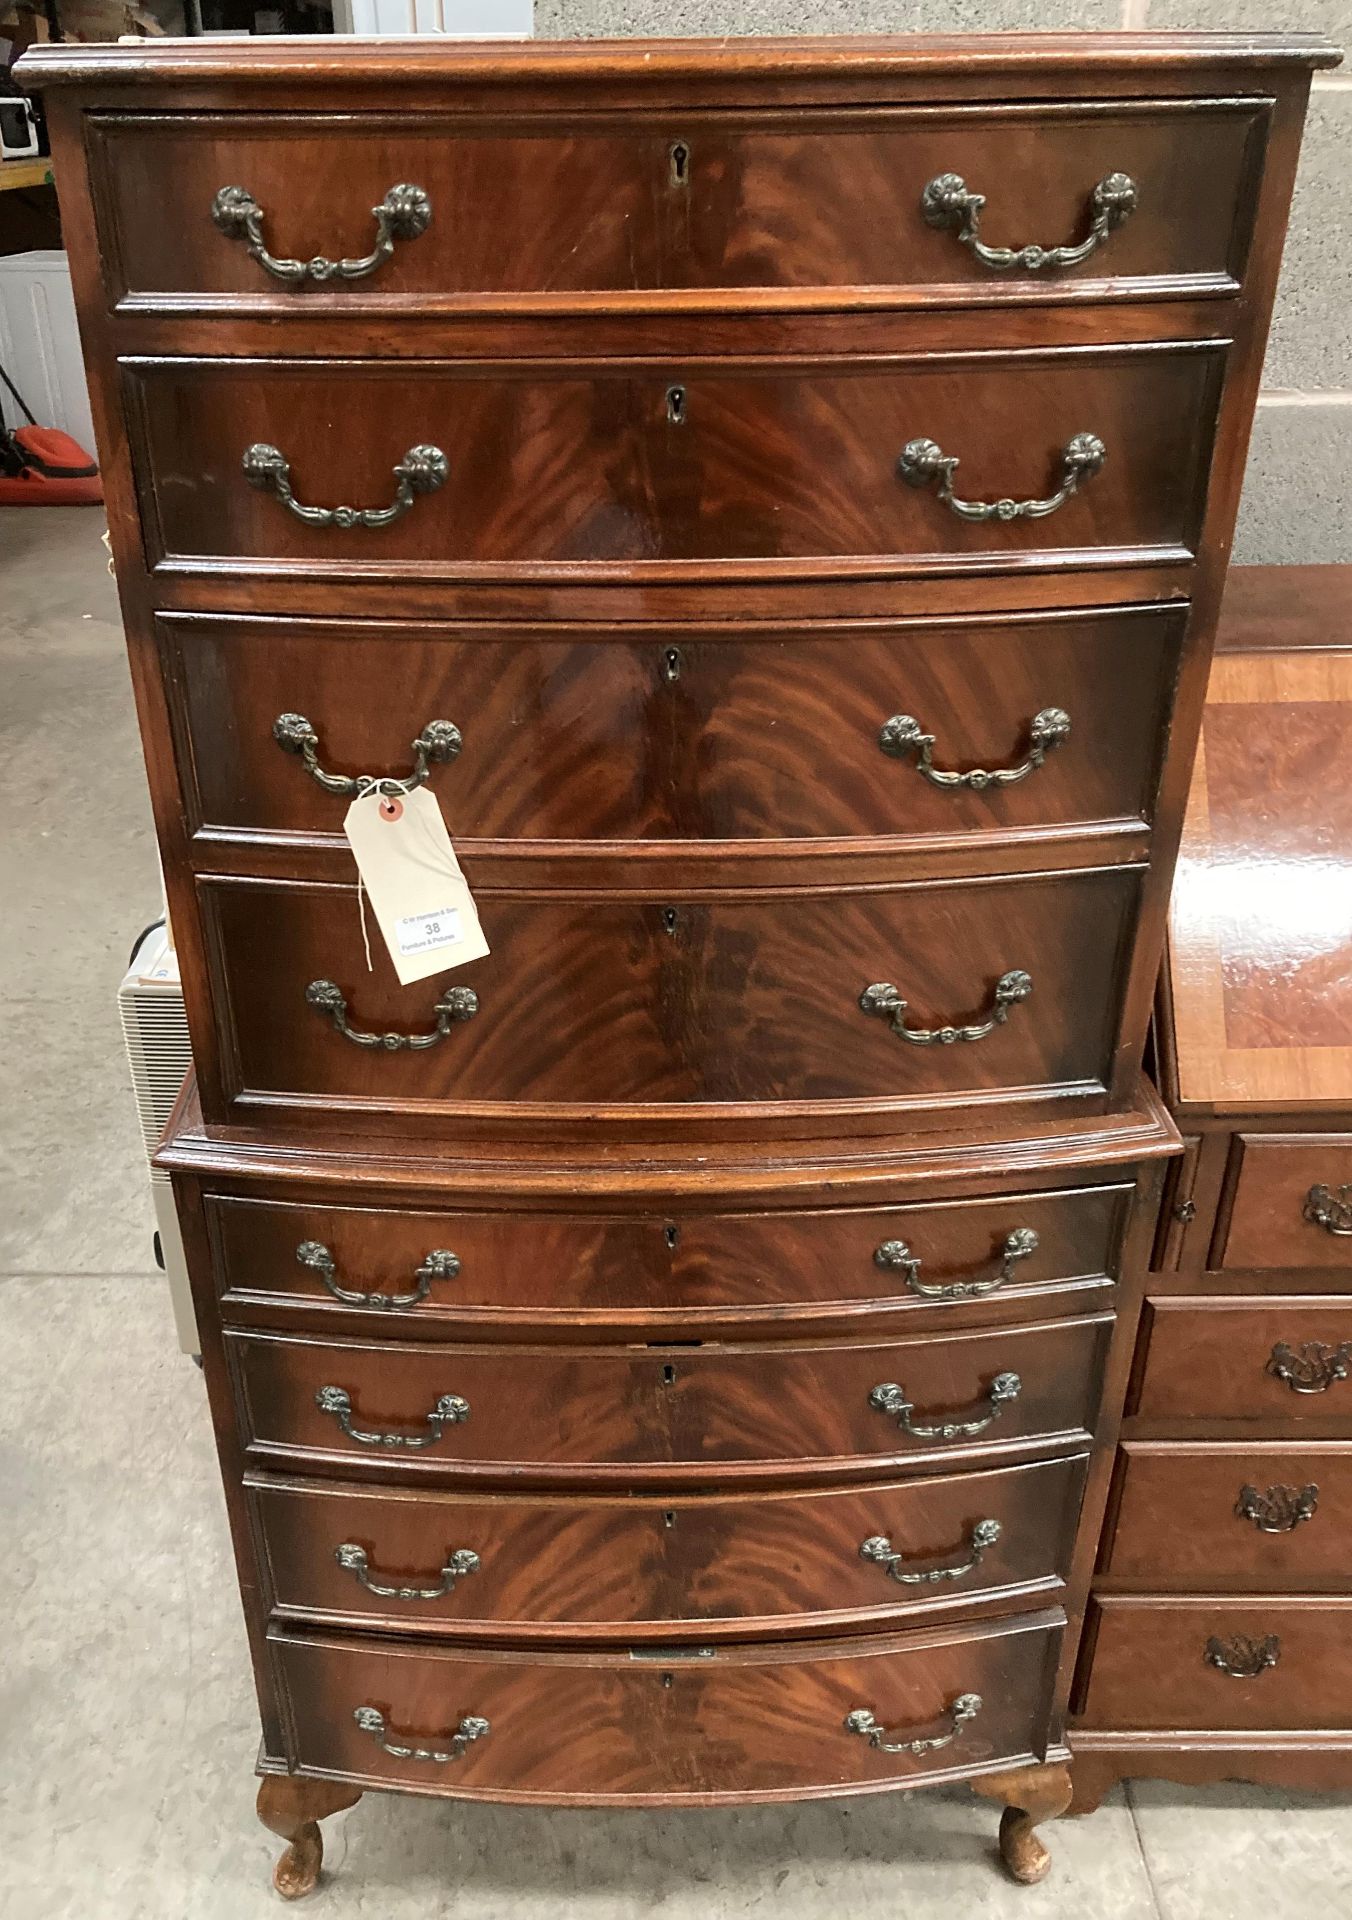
(673, 1234)
(676, 406)
(671, 664)
(667, 1680)
(669, 1518)
(680, 164)
(671, 920)
(668, 1375)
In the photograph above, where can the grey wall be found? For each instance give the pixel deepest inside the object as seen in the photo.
(1298, 492)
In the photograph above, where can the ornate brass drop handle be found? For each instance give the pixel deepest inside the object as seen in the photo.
(1280, 1509)
(879, 1549)
(422, 470)
(861, 1721)
(890, 1398)
(1333, 1213)
(450, 1411)
(922, 462)
(885, 1000)
(403, 214)
(439, 741)
(371, 1720)
(1313, 1369)
(895, 1253)
(456, 1004)
(438, 1265)
(948, 203)
(902, 735)
(461, 1562)
(1241, 1657)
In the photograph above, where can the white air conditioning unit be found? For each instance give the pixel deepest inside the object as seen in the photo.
(150, 1001)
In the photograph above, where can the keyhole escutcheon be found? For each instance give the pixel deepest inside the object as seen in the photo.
(680, 164)
(676, 406)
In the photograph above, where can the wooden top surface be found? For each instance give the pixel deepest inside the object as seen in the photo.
(1260, 928)
(297, 58)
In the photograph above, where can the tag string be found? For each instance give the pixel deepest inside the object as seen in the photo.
(361, 909)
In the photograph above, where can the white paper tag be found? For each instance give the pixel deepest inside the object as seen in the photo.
(420, 898)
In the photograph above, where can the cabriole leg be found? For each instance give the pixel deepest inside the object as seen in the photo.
(292, 1808)
(1030, 1795)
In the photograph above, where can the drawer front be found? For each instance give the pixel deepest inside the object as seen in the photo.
(729, 1562)
(689, 734)
(765, 464)
(692, 1726)
(623, 206)
(1229, 1359)
(1211, 1515)
(619, 1413)
(608, 1000)
(1222, 1663)
(447, 1267)
(1292, 1203)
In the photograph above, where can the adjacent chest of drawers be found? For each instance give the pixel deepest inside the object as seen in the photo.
(1226, 1552)
(776, 495)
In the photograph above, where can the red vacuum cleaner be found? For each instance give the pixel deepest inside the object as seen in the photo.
(43, 467)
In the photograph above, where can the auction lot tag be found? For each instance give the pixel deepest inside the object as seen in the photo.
(420, 897)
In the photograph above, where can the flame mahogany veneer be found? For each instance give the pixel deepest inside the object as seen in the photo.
(693, 1375)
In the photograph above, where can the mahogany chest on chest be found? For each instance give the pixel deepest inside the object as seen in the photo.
(775, 495)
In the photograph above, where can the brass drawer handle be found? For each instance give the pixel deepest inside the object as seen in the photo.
(403, 214)
(902, 735)
(1311, 1370)
(1280, 1509)
(450, 1411)
(922, 463)
(456, 1004)
(966, 1707)
(1334, 1215)
(878, 1548)
(439, 741)
(461, 1562)
(895, 1253)
(371, 1720)
(422, 470)
(885, 1000)
(890, 1398)
(947, 203)
(438, 1265)
(1241, 1657)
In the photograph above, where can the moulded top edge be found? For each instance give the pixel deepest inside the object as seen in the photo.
(304, 57)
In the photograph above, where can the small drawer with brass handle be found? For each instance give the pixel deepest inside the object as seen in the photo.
(1292, 1204)
(1286, 1359)
(403, 214)
(685, 1723)
(1232, 1515)
(1209, 1663)
(648, 1566)
(620, 1414)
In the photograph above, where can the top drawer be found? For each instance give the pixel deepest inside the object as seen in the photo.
(567, 210)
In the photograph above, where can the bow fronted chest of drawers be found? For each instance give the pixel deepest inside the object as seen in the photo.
(1218, 1631)
(776, 495)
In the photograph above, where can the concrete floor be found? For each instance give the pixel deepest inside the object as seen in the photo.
(127, 1729)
